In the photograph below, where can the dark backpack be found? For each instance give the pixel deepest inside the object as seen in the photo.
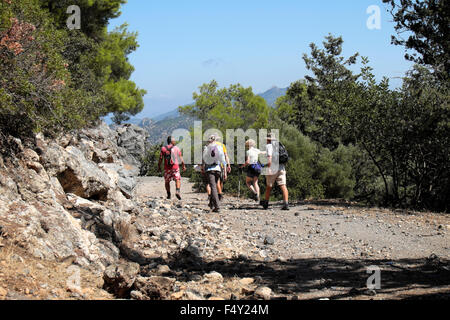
(168, 156)
(283, 155)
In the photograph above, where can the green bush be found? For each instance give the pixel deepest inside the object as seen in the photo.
(53, 79)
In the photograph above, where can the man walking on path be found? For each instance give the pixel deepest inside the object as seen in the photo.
(276, 172)
(213, 160)
(225, 169)
(172, 156)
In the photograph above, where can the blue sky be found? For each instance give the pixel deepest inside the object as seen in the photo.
(184, 44)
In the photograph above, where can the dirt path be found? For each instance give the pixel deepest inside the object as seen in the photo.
(313, 250)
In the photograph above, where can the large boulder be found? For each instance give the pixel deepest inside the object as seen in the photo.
(122, 176)
(33, 212)
(75, 173)
(101, 221)
(69, 199)
(52, 233)
(132, 142)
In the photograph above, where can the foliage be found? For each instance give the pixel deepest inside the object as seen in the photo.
(95, 14)
(233, 107)
(428, 23)
(150, 161)
(318, 105)
(401, 135)
(54, 79)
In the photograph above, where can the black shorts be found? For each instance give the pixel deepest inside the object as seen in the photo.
(251, 173)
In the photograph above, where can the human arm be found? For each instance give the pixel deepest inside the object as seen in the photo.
(227, 158)
(182, 160)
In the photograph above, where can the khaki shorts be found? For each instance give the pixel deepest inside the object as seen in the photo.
(279, 178)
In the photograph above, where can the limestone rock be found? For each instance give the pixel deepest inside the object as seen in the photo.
(263, 293)
(214, 277)
(119, 278)
(76, 174)
(155, 288)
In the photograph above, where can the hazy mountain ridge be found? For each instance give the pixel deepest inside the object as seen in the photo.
(160, 127)
(271, 96)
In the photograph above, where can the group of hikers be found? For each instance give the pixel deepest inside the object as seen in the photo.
(216, 167)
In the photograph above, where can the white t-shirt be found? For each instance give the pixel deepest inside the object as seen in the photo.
(253, 155)
(271, 152)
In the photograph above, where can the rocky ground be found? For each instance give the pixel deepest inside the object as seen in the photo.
(313, 251)
(77, 223)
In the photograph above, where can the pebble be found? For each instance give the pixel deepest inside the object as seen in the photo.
(162, 270)
(3, 292)
(269, 241)
(17, 258)
(246, 281)
(263, 293)
(214, 277)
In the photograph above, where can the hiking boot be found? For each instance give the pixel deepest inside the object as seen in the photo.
(265, 204)
(216, 210)
(178, 195)
(220, 196)
(285, 207)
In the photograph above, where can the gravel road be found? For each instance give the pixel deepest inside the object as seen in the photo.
(315, 250)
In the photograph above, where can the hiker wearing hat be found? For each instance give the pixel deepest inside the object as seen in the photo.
(253, 168)
(171, 155)
(276, 170)
(213, 160)
(225, 169)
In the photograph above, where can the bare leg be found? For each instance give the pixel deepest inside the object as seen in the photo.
(256, 186)
(249, 182)
(219, 187)
(178, 190)
(168, 189)
(268, 191)
(285, 192)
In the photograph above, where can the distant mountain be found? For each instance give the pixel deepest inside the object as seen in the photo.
(273, 94)
(168, 115)
(160, 127)
(160, 130)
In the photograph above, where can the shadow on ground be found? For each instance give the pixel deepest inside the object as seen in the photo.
(406, 278)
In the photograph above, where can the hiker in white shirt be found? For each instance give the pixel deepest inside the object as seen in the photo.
(213, 161)
(276, 173)
(253, 168)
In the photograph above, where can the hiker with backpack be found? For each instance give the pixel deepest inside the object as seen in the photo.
(254, 168)
(225, 169)
(213, 161)
(171, 155)
(276, 170)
